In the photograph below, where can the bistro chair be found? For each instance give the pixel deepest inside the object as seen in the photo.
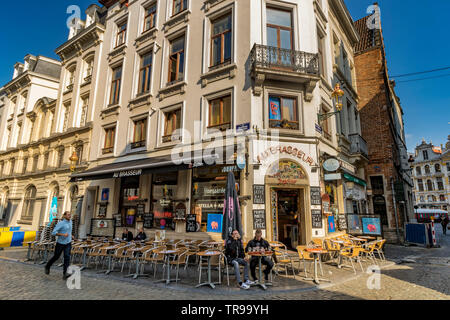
(308, 257)
(284, 259)
(180, 259)
(369, 251)
(352, 254)
(379, 249)
(216, 262)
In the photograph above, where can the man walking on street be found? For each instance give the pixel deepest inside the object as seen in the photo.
(444, 223)
(63, 231)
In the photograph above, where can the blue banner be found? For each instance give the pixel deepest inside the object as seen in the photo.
(53, 209)
(371, 226)
(331, 224)
(214, 223)
(274, 109)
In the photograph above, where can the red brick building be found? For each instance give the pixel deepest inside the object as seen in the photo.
(383, 128)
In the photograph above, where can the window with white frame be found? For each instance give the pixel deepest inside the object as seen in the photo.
(177, 59)
(139, 133)
(283, 112)
(115, 85)
(145, 72)
(121, 34)
(110, 136)
(178, 6)
(221, 40)
(150, 17)
(220, 113)
(172, 122)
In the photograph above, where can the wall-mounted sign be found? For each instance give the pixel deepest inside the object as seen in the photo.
(140, 211)
(191, 223)
(331, 165)
(316, 199)
(295, 152)
(105, 194)
(243, 127)
(128, 173)
(348, 166)
(214, 223)
(333, 177)
(326, 203)
(342, 222)
(102, 210)
(180, 211)
(118, 219)
(371, 226)
(259, 194)
(319, 129)
(102, 224)
(331, 224)
(259, 219)
(355, 179)
(148, 220)
(102, 228)
(286, 172)
(316, 218)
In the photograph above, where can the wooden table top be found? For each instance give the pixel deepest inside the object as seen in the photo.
(209, 253)
(261, 254)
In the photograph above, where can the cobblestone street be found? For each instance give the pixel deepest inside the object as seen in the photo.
(415, 273)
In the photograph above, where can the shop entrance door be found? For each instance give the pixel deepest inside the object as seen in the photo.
(289, 214)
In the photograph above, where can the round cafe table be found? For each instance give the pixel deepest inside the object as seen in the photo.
(167, 254)
(209, 255)
(137, 274)
(260, 255)
(316, 252)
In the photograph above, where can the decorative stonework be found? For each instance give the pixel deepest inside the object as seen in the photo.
(216, 74)
(172, 90)
(139, 101)
(117, 53)
(211, 3)
(180, 18)
(110, 111)
(147, 36)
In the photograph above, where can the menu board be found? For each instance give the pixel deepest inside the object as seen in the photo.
(259, 195)
(102, 228)
(316, 198)
(259, 219)
(180, 211)
(118, 219)
(148, 220)
(140, 211)
(191, 223)
(102, 210)
(342, 222)
(316, 218)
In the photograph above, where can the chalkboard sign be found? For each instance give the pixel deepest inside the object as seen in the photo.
(118, 219)
(259, 194)
(191, 223)
(316, 198)
(342, 222)
(259, 219)
(102, 210)
(148, 220)
(180, 211)
(103, 228)
(316, 218)
(140, 211)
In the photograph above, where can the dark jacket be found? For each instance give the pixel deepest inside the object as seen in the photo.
(128, 237)
(255, 243)
(234, 249)
(445, 221)
(141, 236)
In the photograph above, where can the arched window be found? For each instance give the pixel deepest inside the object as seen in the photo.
(418, 171)
(427, 169)
(437, 167)
(430, 185)
(28, 203)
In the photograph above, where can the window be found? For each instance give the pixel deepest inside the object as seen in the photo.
(279, 28)
(442, 198)
(176, 60)
(425, 155)
(220, 113)
(325, 125)
(13, 165)
(427, 169)
(109, 140)
(283, 113)
(70, 78)
(45, 165)
(140, 133)
(35, 163)
(65, 119)
(448, 166)
(377, 185)
(440, 183)
(150, 17)
(79, 152)
(129, 200)
(24, 167)
(145, 73)
(221, 41)
(28, 205)
(115, 85)
(89, 69)
(121, 34)
(321, 46)
(178, 6)
(60, 158)
(430, 185)
(164, 193)
(418, 171)
(172, 122)
(437, 167)
(420, 184)
(422, 199)
(84, 111)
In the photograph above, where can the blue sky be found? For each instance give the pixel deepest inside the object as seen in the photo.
(415, 33)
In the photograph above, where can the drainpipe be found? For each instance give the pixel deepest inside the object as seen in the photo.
(395, 210)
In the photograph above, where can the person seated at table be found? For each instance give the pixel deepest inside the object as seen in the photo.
(141, 236)
(127, 235)
(258, 241)
(234, 251)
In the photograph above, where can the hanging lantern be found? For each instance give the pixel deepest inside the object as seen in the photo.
(73, 160)
(338, 94)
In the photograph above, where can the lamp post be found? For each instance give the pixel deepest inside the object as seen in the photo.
(337, 96)
(73, 161)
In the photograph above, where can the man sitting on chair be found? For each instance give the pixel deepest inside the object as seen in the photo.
(258, 241)
(234, 251)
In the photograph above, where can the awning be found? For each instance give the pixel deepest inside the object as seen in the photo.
(354, 179)
(146, 166)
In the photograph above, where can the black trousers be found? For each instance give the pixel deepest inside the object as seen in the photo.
(59, 249)
(264, 261)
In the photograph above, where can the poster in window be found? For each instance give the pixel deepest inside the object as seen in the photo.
(274, 109)
(215, 223)
(105, 194)
(371, 226)
(354, 223)
(331, 224)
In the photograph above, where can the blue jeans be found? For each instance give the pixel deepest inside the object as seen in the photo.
(237, 271)
(59, 249)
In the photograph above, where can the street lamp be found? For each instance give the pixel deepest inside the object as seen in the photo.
(337, 95)
(73, 160)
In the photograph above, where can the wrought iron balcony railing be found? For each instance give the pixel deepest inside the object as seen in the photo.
(358, 145)
(284, 59)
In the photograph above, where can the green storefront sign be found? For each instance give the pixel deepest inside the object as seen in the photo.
(355, 179)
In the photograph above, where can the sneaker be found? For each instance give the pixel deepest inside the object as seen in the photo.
(47, 271)
(66, 276)
(249, 283)
(244, 286)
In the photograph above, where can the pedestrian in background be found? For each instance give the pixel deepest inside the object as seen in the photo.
(444, 223)
(63, 231)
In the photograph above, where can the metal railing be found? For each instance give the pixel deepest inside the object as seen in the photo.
(273, 57)
(358, 145)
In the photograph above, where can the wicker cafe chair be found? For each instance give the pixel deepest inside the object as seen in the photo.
(333, 249)
(379, 249)
(155, 257)
(308, 257)
(180, 259)
(369, 251)
(352, 254)
(284, 259)
(216, 262)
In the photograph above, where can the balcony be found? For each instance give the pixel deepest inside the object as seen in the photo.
(271, 63)
(358, 145)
